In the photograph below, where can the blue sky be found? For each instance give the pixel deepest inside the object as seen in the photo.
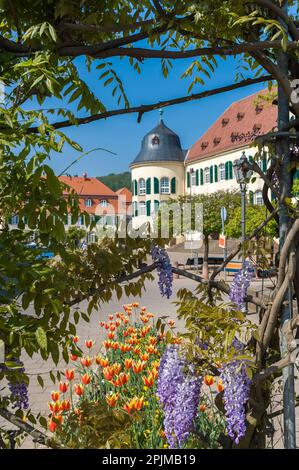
(123, 135)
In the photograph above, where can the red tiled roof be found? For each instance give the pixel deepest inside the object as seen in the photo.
(87, 186)
(237, 126)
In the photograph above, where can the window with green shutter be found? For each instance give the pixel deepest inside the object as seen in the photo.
(201, 176)
(156, 186)
(135, 209)
(251, 198)
(264, 165)
(135, 188)
(188, 179)
(211, 174)
(216, 173)
(173, 185)
(226, 171)
(197, 177)
(148, 208)
(148, 186)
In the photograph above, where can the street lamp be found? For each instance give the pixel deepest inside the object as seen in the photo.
(243, 173)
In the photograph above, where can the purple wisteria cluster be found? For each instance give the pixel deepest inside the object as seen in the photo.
(164, 270)
(240, 284)
(235, 396)
(17, 388)
(178, 390)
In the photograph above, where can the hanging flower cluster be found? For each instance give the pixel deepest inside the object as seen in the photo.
(179, 394)
(240, 284)
(164, 270)
(236, 385)
(17, 388)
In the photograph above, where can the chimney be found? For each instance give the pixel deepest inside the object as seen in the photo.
(85, 175)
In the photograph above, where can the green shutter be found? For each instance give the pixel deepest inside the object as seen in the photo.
(226, 171)
(197, 177)
(211, 174)
(296, 175)
(148, 186)
(135, 188)
(216, 173)
(188, 179)
(148, 208)
(173, 185)
(251, 200)
(156, 185)
(264, 165)
(201, 176)
(230, 170)
(135, 209)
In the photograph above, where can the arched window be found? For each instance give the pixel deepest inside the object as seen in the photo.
(88, 202)
(14, 220)
(165, 187)
(142, 208)
(221, 172)
(207, 175)
(258, 198)
(193, 178)
(104, 203)
(142, 187)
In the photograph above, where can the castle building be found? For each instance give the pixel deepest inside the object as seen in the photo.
(163, 170)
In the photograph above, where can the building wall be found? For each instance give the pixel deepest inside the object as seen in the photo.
(150, 171)
(222, 184)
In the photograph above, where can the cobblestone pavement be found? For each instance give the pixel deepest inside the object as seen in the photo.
(152, 299)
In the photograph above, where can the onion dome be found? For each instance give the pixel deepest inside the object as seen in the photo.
(161, 144)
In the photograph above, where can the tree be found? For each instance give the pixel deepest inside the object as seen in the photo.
(117, 181)
(39, 43)
(255, 215)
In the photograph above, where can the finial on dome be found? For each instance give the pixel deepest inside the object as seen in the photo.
(161, 111)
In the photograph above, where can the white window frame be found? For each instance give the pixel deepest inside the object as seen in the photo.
(193, 178)
(165, 185)
(142, 208)
(258, 198)
(221, 172)
(14, 220)
(141, 187)
(206, 175)
(88, 202)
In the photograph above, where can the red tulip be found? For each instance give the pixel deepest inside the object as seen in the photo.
(63, 386)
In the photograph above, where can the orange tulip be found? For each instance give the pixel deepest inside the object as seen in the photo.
(135, 304)
(115, 345)
(89, 343)
(102, 324)
(153, 340)
(117, 323)
(63, 386)
(53, 424)
(112, 327)
(73, 357)
(143, 309)
(79, 390)
(54, 406)
(149, 380)
(107, 344)
(220, 387)
(144, 357)
(101, 361)
(171, 323)
(55, 396)
(202, 407)
(112, 399)
(110, 317)
(150, 349)
(86, 361)
(107, 326)
(209, 380)
(144, 319)
(76, 339)
(128, 363)
(65, 405)
(110, 335)
(121, 380)
(136, 350)
(116, 368)
(108, 373)
(138, 367)
(85, 379)
(134, 405)
(150, 315)
(69, 374)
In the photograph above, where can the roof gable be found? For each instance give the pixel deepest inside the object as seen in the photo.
(86, 186)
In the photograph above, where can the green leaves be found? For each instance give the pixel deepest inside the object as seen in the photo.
(41, 338)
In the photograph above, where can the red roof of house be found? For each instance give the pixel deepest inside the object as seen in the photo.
(87, 186)
(125, 192)
(238, 125)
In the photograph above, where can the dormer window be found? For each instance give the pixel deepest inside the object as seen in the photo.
(240, 116)
(259, 108)
(257, 127)
(104, 203)
(204, 145)
(217, 140)
(155, 140)
(225, 122)
(88, 202)
(234, 136)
